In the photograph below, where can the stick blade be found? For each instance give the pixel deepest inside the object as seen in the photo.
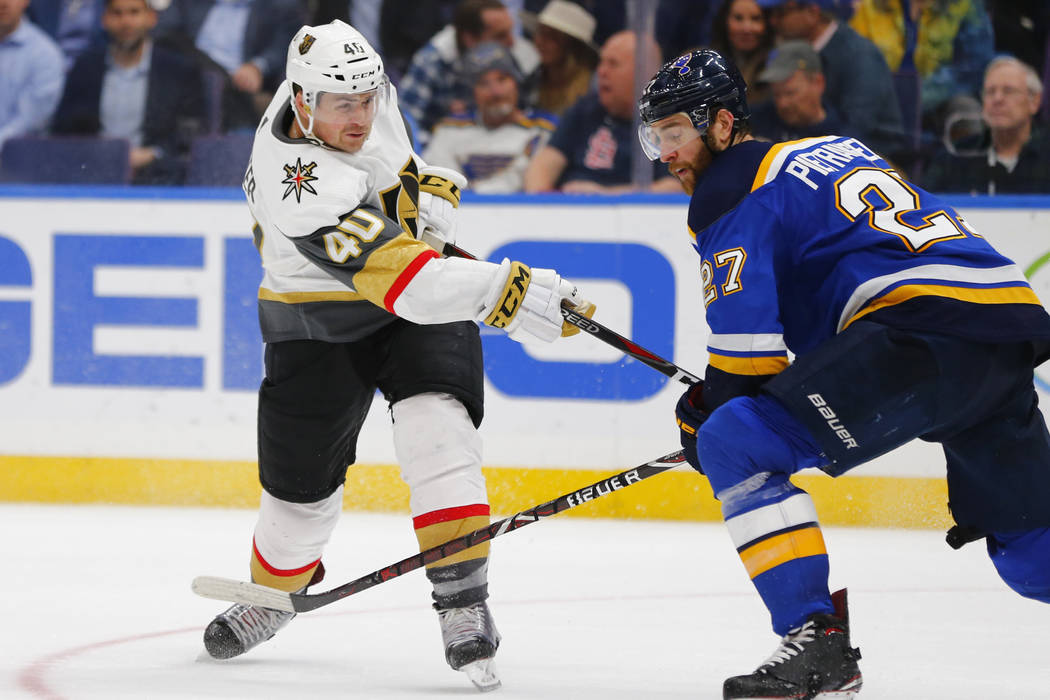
(234, 591)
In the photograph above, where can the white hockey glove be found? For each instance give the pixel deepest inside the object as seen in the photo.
(527, 303)
(439, 191)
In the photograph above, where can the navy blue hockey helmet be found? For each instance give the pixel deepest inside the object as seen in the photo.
(695, 84)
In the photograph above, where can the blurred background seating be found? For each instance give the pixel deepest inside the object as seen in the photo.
(923, 58)
(219, 160)
(66, 160)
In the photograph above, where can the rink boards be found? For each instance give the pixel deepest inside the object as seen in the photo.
(130, 355)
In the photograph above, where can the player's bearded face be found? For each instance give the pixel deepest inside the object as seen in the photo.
(678, 143)
(345, 121)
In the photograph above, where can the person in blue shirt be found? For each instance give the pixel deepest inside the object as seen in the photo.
(134, 89)
(74, 24)
(246, 38)
(32, 73)
(904, 323)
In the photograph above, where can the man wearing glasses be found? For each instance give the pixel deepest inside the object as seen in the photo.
(1012, 154)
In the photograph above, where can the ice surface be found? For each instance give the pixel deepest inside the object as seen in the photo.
(97, 605)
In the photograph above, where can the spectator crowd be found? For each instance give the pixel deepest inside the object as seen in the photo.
(538, 95)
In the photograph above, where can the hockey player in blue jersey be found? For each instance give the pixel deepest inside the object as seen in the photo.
(904, 323)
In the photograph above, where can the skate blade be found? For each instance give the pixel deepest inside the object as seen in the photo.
(482, 673)
(845, 694)
(848, 693)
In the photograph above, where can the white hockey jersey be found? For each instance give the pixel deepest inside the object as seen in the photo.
(336, 232)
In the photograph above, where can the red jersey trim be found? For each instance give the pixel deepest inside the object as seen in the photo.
(281, 572)
(406, 276)
(446, 514)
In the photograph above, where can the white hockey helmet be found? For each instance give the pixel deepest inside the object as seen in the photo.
(332, 57)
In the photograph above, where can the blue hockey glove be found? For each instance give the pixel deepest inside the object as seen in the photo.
(690, 416)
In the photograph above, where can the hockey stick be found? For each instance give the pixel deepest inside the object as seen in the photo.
(587, 325)
(253, 594)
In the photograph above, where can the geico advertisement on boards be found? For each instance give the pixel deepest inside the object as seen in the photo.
(129, 329)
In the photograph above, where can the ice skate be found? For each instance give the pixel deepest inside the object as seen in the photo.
(471, 640)
(813, 662)
(241, 628)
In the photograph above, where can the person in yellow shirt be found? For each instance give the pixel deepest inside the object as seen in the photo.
(946, 42)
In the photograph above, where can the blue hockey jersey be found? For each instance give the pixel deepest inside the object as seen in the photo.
(799, 240)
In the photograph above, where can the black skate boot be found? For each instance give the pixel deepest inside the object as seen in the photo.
(814, 661)
(471, 640)
(241, 628)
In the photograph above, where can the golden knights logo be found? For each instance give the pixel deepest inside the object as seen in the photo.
(298, 179)
(401, 201)
(306, 43)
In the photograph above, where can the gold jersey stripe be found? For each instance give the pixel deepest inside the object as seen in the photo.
(385, 264)
(777, 550)
(439, 533)
(537, 121)
(307, 297)
(1021, 294)
(751, 366)
(767, 162)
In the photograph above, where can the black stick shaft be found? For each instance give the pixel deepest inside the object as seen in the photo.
(628, 347)
(303, 602)
(606, 335)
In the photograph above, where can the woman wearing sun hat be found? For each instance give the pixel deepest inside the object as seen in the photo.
(563, 33)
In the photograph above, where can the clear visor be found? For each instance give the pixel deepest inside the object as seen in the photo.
(666, 136)
(344, 121)
(359, 108)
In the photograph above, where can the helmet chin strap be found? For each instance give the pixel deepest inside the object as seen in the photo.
(308, 128)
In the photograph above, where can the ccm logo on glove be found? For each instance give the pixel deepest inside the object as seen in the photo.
(510, 299)
(440, 187)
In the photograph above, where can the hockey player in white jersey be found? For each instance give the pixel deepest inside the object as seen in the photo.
(351, 301)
